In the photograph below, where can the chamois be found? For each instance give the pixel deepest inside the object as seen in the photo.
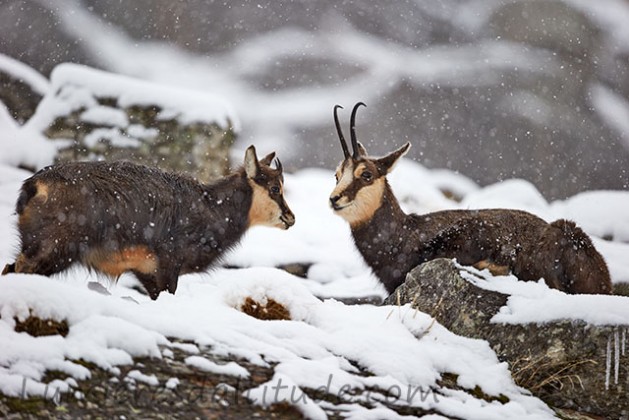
(115, 217)
(392, 242)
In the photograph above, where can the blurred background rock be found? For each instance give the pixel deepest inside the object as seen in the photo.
(495, 89)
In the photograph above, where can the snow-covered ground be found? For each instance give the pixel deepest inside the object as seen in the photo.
(325, 339)
(403, 349)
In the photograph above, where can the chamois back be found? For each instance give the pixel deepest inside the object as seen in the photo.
(118, 217)
(393, 243)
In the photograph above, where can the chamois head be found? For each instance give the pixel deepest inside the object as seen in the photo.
(360, 179)
(268, 207)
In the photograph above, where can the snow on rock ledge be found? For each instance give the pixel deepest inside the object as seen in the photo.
(110, 117)
(568, 350)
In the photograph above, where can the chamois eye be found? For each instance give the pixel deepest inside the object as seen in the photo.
(366, 176)
(275, 189)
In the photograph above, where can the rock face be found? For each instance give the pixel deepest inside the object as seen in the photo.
(21, 88)
(94, 115)
(569, 365)
(533, 89)
(32, 33)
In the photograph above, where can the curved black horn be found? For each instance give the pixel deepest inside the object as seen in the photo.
(278, 165)
(352, 129)
(340, 132)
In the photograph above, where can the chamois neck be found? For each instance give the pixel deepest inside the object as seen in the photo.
(231, 195)
(386, 242)
(388, 215)
(391, 205)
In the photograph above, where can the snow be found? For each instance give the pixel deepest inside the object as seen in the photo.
(270, 117)
(77, 88)
(405, 350)
(24, 73)
(231, 368)
(137, 376)
(613, 108)
(610, 15)
(22, 145)
(534, 302)
(325, 339)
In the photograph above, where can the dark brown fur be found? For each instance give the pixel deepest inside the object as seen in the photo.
(392, 242)
(118, 217)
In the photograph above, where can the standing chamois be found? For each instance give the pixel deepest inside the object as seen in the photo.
(393, 243)
(118, 217)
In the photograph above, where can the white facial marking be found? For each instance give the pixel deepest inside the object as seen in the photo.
(346, 177)
(367, 200)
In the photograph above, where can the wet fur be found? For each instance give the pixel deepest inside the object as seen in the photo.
(117, 217)
(393, 243)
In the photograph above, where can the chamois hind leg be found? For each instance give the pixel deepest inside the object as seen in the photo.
(43, 252)
(583, 268)
(40, 262)
(8, 268)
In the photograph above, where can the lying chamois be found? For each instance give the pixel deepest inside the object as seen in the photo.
(392, 242)
(118, 217)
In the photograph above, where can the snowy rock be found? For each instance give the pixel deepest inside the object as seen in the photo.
(492, 89)
(113, 117)
(569, 364)
(21, 88)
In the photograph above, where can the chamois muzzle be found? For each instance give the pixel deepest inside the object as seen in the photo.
(334, 202)
(287, 217)
(288, 220)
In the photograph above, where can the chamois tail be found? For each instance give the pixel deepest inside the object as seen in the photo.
(585, 270)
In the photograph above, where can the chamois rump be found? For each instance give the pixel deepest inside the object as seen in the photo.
(392, 242)
(118, 217)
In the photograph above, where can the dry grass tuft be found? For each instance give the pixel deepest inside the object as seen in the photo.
(271, 310)
(538, 373)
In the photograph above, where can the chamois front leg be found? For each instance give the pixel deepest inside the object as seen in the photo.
(165, 278)
(168, 275)
(494, 269)
(149, 283)
(9, 268)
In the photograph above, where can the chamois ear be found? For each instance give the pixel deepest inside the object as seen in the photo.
(361, 149)
(386, 164)
(266, 161)
(252, 166)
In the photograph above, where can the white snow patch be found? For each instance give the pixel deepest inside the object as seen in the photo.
(230, 368)
(326, 343)
(75, 88)
(22, 72)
